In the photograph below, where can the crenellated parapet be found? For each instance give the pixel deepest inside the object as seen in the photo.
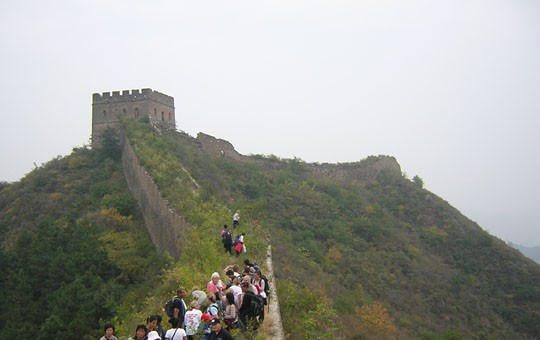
(108, 106)
(127, 96)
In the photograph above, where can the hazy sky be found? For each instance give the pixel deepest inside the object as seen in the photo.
(449, 88)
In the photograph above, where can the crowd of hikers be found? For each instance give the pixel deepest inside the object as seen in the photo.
(236, 302)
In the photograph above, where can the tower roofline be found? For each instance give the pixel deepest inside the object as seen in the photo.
(131, 96)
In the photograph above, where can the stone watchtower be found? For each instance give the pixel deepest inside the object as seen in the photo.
(107, 107)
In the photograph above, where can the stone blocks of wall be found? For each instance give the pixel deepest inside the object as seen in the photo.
(166, 227)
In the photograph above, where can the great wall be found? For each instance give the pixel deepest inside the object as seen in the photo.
(166, 226)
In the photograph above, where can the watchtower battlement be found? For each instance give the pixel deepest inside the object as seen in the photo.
(131, 96)
(107, 106)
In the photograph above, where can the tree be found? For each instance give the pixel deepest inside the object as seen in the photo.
(110, 145)
(418, 181)
(376, 324)
(60, 275)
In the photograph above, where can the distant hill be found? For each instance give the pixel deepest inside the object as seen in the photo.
(531, 252)
(360, 251)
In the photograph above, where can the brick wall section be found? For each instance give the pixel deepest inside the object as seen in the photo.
(166, 227)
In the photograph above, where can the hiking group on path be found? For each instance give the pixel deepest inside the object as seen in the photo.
(212, 314)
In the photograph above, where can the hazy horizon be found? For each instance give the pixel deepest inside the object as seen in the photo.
(448, 89)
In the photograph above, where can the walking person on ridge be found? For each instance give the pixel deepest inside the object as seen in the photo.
(236, 219)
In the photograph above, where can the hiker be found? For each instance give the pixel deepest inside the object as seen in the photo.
(175, 333)
(236, 269)
(236, 219)
(243, 312)
(151, 323)
(215, 285)
(236, 290)
(218, 333)
(251, 273)
(248, 265)
(109, 333)
(248, 279)
(231, 274)
(214, 308)
(239, 247)
(153, 335)
(140, 333)
(226, 238)
(225, 228)
(231, 311)
(198, 295)
(259, 283)
(179, 309)
(204, 326)
(193, 319)
(159, 328)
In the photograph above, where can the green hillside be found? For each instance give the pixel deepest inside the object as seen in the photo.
(72, 245)
(360, 251)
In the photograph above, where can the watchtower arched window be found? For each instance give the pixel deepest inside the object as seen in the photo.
(169, 116)
(155, 113)
(136, 112)
(162, 116)
(104, 113)
(124, 110)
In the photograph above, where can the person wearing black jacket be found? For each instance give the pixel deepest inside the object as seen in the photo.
(247, 320)
(179, 309)
(218, 333)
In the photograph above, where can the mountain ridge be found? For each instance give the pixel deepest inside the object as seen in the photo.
(360, 251)
(392, 218)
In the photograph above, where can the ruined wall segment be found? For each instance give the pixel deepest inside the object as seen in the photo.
(358, 172)
(107, 107)
(218, 147)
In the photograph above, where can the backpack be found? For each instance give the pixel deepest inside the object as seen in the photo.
(218, 310)
(256, 306)
(266, 285)
(169, 307)
(227, 237)
(235, 241)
